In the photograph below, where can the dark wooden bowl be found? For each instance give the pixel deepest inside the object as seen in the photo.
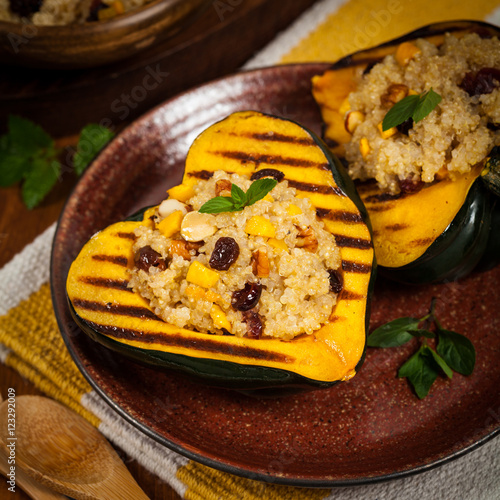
(95, 43)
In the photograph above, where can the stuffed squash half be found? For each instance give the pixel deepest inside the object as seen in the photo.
(255, 273)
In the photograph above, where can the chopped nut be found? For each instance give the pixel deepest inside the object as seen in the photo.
(352, 120)
(197, 226)
(394, 93)
(223, 187)
(171, 205)
(183, 248)
(260, 263)
(307, 239)
(406, 52)
(364, 147)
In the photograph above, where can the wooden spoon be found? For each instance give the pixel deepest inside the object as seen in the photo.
(62, 451)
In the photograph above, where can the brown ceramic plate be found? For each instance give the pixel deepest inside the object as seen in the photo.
(370, 428)
(95, 43)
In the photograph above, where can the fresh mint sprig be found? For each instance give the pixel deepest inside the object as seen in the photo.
(239, 199)
(29, 155)
(454, 352)
(416, 106)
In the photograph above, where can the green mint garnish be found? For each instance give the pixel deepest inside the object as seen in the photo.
(454, 351)
(416, 107)
(29, 155)
(239, 199)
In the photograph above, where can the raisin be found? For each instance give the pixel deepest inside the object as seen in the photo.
(146, 257)
(408, 185)
(406, 126)
(95, 7)
(336, 281)
(25, 8)
(246, 299)
(225, 253)
(485, 81)
(254, 324)
(268, 172)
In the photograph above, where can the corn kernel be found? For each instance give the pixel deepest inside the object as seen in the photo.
(182, 192)
(279, 245)
(200, 275)
(219, 318)
(260, 226)
(406, 52)
(293, 209)
(171, 224)
(364, 147)
(386, 133)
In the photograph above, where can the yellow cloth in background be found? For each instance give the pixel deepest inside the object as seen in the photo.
(359, 24)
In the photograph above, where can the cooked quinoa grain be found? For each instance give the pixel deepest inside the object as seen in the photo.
(280, 280)
(456, 135)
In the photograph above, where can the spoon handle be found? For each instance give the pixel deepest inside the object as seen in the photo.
(26, 483)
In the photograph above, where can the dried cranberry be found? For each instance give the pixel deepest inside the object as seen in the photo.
(485, 81)
(225, 253)
(146, 257)
(254, 323)
(268, 172)
(408, 185)
(336, 281)
(243, 300)
(25, 8)
(406, 126)
(95, 7)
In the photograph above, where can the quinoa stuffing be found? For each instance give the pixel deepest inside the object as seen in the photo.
(267, 270)
(457, 134)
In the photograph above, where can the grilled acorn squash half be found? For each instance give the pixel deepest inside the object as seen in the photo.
(244, 143)
(440, 232)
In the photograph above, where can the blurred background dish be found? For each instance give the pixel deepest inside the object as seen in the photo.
(95, 43)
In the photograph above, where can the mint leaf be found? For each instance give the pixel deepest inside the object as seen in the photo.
(457, 351)
(40, 180)
(92, 139)
(239, 199)
(26, 138)
(441, 363)
(217, 205)
(12, 168)
(416, 107)
(393, 334)
(400, 112)
(259, 189)
(427, 103)
(238, 195)
(421, 371)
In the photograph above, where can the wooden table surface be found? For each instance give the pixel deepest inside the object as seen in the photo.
(252, 22)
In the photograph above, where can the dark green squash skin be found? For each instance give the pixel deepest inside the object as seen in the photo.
(252, 380)
(457, 251)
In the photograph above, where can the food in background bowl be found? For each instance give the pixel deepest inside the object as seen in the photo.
(282, 302)
(440, 85)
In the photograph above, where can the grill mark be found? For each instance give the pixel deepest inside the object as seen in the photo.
(305, 141)
(421, 242)
(119, 260)
(334, 318)
(347, 241)
(117, 309)
(106, 283)
(127, 236)
(397, 227)
(207, 345)
(339, 215)
(383, 197)
(347, 295)
(204, 175)
(356, 267)
(315, 188)
(271, 159)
